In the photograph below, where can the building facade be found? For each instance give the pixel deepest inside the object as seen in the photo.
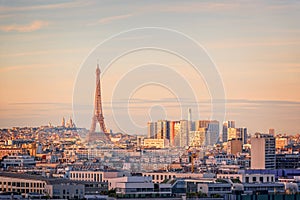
(263, 151)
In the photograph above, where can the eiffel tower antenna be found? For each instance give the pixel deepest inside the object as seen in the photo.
(98, 113)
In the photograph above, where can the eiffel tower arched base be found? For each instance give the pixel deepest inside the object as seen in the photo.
(97, 136)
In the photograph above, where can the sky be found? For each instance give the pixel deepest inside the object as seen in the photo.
(158, 58)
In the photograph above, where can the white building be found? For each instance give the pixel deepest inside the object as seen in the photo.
(94, 176)
(18, 161)
(249, 178)
(138, 186)
(27, 184)
(159, 177)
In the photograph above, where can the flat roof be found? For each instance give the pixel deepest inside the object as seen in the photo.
(49, 181)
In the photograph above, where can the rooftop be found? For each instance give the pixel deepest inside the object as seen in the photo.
(25, 176)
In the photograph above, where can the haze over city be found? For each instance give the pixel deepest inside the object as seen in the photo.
(254, 44)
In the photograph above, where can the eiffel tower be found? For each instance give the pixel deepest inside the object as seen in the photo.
(98, 113)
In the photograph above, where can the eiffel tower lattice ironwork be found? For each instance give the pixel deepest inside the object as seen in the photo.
(98, 113)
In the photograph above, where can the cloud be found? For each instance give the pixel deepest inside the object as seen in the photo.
(23, 67)
(190, 102)
(199, 7)
(45, 52)
(241, 44)
(33, 26)
(50, 6)
(110, 19)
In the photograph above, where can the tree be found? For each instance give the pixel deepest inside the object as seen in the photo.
(112, 193)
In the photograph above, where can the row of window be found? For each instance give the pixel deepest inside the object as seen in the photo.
(23, 184)
(219, 189)
(21, 190)
(254, 178)
(261, 179)
(133, 190)
(275, 188)
(161, 177)
(96, 177)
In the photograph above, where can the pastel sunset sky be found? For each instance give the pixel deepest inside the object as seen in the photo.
(46, 45)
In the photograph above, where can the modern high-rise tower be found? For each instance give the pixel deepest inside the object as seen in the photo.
(191, 124)
(226, 126)
(263, 151)
(152, 129)
(98, 113)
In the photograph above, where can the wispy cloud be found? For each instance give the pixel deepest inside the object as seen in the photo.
(110, 19)
(113, 18)
(50, 6)
(33, 26)
(190, 102)
(198, 7)
(45, 52)
(242, 44)
(23, 67)
(283, 5)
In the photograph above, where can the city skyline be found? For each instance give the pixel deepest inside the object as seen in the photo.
(255, 46)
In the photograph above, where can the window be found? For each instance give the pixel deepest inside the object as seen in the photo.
(261, 179)
(254, 179)
(56, 191)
